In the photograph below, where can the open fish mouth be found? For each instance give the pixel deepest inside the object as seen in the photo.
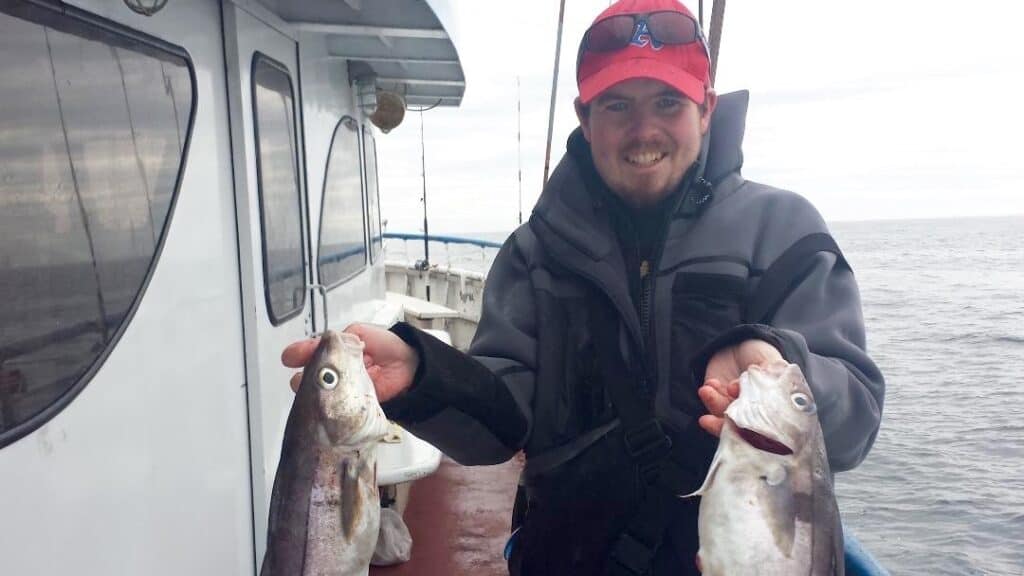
(762, 442)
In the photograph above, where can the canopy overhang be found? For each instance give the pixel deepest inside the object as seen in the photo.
(407, 44)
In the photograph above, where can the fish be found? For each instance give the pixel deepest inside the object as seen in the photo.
(325, 506)
(767, 503)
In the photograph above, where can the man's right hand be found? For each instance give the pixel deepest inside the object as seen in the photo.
(390, 362)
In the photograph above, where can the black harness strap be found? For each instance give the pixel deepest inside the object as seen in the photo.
(548, 461)
(649, 447)
(786, 272)
(645, 440)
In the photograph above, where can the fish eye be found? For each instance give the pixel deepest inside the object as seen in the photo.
(802, 402)
(328, 378)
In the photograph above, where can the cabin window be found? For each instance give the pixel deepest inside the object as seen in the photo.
(342, 224)
(277, 170)
(94, 128)
(372, 193)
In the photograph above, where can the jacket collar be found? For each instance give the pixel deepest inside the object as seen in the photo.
(725, 144)
(574, 222)
(571, 221)
(575, 198)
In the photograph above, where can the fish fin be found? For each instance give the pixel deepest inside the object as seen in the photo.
(782, 508)
(775, 476)
(707, 479)
(351, 498)
(838, 545)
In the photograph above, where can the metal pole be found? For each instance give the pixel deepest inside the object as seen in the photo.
(426, 229)
(717, 22)
(519, 146)
(554, 90)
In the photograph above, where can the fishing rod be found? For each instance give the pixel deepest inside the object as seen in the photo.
(519, 147)
(425, 265)
(554, 90)
(715, 37)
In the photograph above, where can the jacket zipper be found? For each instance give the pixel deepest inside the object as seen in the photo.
(646, 309)
(645, 296)
(648, 274)
(645, 320)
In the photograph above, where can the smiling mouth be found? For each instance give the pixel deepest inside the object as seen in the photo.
(645, 159)
(764, 443)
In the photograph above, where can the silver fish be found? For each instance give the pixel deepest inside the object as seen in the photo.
(325, 507)
(767, 505)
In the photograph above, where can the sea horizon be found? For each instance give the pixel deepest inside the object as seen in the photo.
(942, 490)
(487, 234)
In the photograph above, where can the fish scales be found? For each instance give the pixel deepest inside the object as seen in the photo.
(767, 504)
(325, 506)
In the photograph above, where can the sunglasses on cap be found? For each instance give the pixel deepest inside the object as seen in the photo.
(617, 32)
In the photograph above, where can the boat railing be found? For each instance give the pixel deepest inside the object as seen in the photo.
(448, 271)
(473, 254)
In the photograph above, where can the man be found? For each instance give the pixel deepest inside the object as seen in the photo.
(617, 321)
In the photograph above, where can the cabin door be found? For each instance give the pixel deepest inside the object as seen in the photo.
(273, 228)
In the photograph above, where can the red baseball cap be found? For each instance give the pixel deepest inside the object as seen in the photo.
(684, 67)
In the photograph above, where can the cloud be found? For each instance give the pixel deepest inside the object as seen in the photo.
(906, 110)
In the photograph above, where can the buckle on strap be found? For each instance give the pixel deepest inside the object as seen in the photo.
(647, 442)
(630, 556)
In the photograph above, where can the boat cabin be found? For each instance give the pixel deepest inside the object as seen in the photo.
(186, 186)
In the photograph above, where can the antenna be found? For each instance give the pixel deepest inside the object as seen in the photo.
(519, 147)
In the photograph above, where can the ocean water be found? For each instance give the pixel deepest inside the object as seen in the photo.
(942, 491)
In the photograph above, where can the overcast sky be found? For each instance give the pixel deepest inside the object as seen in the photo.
(899, 109)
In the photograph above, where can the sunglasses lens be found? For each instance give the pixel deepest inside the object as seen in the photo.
(610, 34)
(672, 27)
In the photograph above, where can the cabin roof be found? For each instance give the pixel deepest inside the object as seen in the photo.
(407, 43)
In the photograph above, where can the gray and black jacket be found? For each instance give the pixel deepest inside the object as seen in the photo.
(734, 260)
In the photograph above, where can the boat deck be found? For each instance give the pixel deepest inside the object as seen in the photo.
(459, 520)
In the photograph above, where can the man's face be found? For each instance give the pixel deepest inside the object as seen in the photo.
(644, 135)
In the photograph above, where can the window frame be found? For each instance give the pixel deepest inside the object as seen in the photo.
(345, 120)
(367, 132)
(275, 320)
(77, 22)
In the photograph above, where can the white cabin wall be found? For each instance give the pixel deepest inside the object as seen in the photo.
(328, 96)
(147, 470)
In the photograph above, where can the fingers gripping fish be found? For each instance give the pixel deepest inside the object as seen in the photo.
(325, 507)
(767, 505)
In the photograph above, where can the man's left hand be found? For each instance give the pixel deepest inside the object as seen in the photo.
(722, 378)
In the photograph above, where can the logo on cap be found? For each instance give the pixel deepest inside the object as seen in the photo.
(642, 37)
